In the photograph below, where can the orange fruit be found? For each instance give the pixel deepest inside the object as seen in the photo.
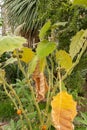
(44, 127)
(19, 111)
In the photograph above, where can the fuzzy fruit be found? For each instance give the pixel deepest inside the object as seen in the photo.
(44, 127)
(19, 111)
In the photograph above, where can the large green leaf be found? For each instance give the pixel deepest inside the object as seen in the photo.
(44, 48)
(77, 43)
(80, 2)
(44, 29)
(9, 43)
(64, 59)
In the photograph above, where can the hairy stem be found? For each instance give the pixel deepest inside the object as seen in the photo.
(19, 101)
(35, 102)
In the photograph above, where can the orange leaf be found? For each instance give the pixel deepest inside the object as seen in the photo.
(63, 111)
(41, 83)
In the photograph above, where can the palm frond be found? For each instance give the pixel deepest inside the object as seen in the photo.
(24, 11)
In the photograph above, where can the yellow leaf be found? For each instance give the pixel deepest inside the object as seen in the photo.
(25, 54)
(2, 75)
(63, 111)
(64, 59)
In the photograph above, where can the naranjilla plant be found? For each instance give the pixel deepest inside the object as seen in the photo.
(41, 99)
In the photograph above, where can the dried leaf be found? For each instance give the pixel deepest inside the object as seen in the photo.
(63, 111)
(41, 83)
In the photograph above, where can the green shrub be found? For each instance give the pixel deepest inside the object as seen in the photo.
(6, 110)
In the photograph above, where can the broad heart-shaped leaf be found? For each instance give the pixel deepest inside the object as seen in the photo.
(64, 59)
(80, 2)
(25, 54)
(77, 43)
(44, 29)
(9, 43)
(63, 111)
(44, 48)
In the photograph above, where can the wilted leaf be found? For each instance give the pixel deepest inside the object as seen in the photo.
(2, 75)
(44, 29)
(80, 2)
(40, 82)
(44, 48)
(63, 111)
(40, 66)
(9, 43)
(77, 43)
(25, 54)
(64, 59)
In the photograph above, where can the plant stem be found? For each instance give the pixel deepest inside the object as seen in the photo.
(8, 94)
(60, 80)
(50, 73)
(17, 98)
(21, 67)
(35, 102)
(32, 91)
(31, 88)
(50, 86)
(60, 98)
